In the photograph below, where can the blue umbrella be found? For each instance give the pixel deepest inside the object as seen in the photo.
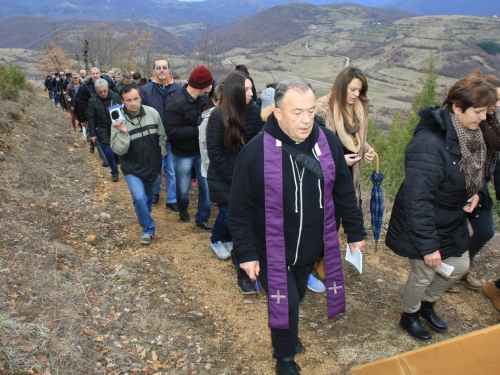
(377, 202)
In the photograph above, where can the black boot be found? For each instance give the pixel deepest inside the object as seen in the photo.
(287, 366)
(411, 324)
(427, 312)
(299, 348)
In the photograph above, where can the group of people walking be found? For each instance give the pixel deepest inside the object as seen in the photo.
(284, 172)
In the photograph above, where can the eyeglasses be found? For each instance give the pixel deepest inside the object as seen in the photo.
(101, 91)
(161, 67)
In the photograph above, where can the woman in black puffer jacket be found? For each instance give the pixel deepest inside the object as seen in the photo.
(444, 169)
(231, 125)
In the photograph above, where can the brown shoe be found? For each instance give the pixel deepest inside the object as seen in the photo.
(491, 292)
(114, 178)
(453, 289)
(471, 282)
(320, 268)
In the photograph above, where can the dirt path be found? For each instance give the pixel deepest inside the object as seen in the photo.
(117, 307)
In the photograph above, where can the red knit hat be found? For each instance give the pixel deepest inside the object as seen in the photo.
(200, 78)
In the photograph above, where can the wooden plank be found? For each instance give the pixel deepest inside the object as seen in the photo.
(474, 353)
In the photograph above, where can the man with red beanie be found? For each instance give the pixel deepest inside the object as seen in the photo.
(182, 122)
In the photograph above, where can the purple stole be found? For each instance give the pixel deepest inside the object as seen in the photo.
(275, 238)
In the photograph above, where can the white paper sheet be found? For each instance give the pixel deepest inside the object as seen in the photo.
(445, 270)
(84, 132)
(356, 259)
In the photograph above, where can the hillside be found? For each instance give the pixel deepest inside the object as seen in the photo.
(15, 34)
(215, 12)
(393, 54)
(71, 303)
(296, 20)
(163, 13)
(464, 7)
(315, 42)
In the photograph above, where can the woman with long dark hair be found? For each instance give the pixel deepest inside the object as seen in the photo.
(230, 127)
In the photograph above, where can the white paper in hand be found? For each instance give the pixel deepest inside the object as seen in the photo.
(356, 259)
(445, 270)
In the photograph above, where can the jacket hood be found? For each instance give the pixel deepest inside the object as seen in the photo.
(206, 113)
(439, 122)
(431, 118)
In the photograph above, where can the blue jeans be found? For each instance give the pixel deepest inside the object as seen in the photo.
(142, 197)
(220, 231)
(183, 167)
(484, 230)
(110, 158)
(167, 165)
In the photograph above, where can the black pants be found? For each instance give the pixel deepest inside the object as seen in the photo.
(285, 340)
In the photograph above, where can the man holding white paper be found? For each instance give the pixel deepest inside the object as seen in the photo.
(290, 184)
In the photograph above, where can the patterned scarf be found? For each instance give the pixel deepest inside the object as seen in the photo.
(473, 150)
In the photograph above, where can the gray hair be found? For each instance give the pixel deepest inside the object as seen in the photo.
(101, 82)
(290, 84)
(127, 75)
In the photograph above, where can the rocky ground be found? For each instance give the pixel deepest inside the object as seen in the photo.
(80, 295)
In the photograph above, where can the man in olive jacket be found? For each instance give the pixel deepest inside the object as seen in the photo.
(140, 145)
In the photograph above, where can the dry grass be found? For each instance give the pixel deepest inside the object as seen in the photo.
(68, 307)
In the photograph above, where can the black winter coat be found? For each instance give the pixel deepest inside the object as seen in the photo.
(302, 209)
(222, 160)
(99, 118)
(182, 117)
(428, 211)
(86, 92)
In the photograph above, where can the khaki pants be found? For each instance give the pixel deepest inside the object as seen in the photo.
(425, 284)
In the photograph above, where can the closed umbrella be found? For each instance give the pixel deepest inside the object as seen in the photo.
(377, 202)
(73, 118)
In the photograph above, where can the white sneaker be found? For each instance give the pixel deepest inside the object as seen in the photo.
(229, 246)
(220, 250)
(147, 238)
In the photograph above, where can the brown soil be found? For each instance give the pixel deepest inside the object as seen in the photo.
(116, 307)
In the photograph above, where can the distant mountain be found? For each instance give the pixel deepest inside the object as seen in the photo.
(15, 34)
(295, 20)
(465, 7)
(214, 12)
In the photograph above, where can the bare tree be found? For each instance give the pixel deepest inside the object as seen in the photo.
(99, 46)
(145, 61)
(52, 57)
(209, 46)
(137, 43)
